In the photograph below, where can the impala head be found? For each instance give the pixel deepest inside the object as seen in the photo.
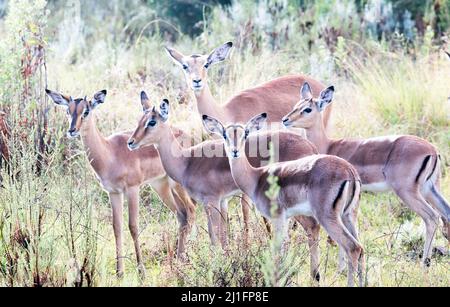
(234, 136)
(196, 66)
(307, 112)
(78, 110)
(151, 125)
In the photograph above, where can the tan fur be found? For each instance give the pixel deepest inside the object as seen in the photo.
(320, 187)
(208, 179)
(276, 97)
(407, 165)
(122, 173)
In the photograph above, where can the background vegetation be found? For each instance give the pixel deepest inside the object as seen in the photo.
(385, 58)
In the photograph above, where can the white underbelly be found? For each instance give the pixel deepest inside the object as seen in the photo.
(379, 187)
(303, 209)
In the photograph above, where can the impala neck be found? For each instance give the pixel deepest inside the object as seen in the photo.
(94, 143)
(318, 136)
(173, 156)
(207, 105)
(245, 175)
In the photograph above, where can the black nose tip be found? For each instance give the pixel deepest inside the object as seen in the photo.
(72, 130)
(197, 81)
(285, 120)
(130, 143)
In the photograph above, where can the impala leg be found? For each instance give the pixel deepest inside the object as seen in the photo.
(224, 223)
(186, 219)
(117, 212)
(214, 216)
(417, 203)
(281, 229)
(165, 192)
(245, 204)
(434, 197)
(312, 229)
(133, 224)
(339, 233)
(349, 220)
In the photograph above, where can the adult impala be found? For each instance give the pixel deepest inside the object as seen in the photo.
(207, 177)
(407, 165)
(325, 188)
(278, 96)
(122, 173)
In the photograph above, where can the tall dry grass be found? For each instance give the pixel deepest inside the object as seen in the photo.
(55, 222)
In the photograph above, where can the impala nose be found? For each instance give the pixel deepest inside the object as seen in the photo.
(286, 121)
(197, 81)
(131, 145)
(235, 153)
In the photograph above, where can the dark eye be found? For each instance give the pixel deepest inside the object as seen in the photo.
(307, 111)
(151, 123)
(207, 65)
(86, 114)
(185, 67)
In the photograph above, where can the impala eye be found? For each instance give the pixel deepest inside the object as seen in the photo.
(185, 67)
(86, 113)
(207, 65)
(307, 111)
(151, 123)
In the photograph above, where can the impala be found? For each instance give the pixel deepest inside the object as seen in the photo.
(325, 188)
(122, 173)
(279, 95)
(407, 165)
(208, 178)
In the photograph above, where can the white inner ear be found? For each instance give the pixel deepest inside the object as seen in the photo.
(219, 55)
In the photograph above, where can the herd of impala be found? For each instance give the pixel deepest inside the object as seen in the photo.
(320, 179)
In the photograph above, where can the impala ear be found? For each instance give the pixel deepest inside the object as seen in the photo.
(256, 124)
(220, 54)
(99, 98)
(326, 98)
(175, 55)
(306, 92)
(59, 99)
(146, 107)
(164, 110)
(213, 126)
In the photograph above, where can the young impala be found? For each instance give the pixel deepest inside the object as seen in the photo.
(207, 177)
(122, 173)
(325, 188)
(408, 165)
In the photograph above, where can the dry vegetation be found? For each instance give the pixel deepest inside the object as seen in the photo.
(55, 221)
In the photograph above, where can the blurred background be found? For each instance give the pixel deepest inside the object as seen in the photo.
(386, 59)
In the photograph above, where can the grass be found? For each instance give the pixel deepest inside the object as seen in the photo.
(55, 226)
